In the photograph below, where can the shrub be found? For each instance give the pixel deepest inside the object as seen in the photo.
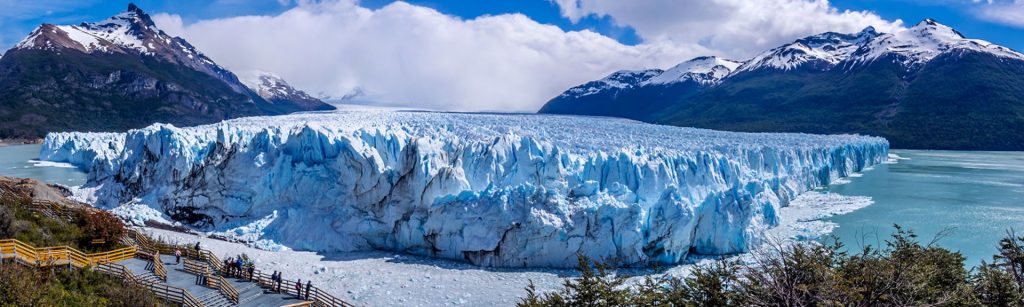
(904, 272)
(6, 222)
(23, 286)
(102, 225)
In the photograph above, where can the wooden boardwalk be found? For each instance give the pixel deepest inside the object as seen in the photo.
(197, 281)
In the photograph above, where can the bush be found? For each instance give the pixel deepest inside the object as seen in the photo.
(23, 286)
(102, 225)
(6, 222)
(904, 272)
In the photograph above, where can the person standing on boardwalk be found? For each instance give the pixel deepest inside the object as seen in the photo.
(251, 269)
(298, 289)
(177, 256)
(238, 267)
(309, 284)
(198, 250)
(273, 280)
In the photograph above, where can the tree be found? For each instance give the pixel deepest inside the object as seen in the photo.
(103, 225)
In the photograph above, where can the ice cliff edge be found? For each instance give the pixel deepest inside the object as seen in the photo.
(490, 189)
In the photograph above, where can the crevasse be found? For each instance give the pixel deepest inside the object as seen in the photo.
(491, 189)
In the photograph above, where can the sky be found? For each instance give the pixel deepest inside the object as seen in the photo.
(499, 55)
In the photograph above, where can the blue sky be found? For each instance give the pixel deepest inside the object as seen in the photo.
(22, 17)
(499, 55)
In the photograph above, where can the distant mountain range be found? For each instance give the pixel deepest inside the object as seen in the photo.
(122, 73)
(927, 87)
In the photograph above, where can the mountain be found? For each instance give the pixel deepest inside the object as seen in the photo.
(274, 89)
(117, 74)
(926, 87)
(636, 94)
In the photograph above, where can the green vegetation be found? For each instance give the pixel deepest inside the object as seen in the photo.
(43, 91)
(61, 286)
(77, 228)
(904, 272)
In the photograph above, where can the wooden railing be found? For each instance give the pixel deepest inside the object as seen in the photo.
(225, 288)
(60, 255)
(317, 296)
(196, 267)
(158, 267)
(101, 262)
(167, 293)
(172, 294)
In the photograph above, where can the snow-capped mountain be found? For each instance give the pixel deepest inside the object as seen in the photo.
(926, 41)
(927, 86)
(505, 190)
(821, 51)
(645, 90)
(119, 73)
(622, 79)
(275, 90)
(704, 71)
(912, 47)
(131, 31)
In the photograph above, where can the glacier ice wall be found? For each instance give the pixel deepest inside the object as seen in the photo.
(490, 189)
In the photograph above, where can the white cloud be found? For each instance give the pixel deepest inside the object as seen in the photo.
(1009, 13)
(735, 28)
(412, 55)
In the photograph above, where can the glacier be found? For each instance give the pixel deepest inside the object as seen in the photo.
(500, 190)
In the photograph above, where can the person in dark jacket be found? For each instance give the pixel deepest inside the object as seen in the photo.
(251, 269)
(279, 278)
(298, 289)
(273, 280)
(309, 284)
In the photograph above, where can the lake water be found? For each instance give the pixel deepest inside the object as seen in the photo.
(19, 161)
(977, 195)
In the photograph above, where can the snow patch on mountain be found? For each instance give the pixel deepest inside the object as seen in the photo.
(926, 41)
(827, 49)
(706, 71)
(622, 79)
(130, 32)
(703, 70)
(272, 87)
(913, 47)
(489, 189)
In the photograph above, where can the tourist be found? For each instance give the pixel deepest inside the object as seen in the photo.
(177, 256)
(279, 278)
(238, 267)
(309, 285)
(227, 266)
(252, 269)
(298, 289)
(273, 280)
(198, 250)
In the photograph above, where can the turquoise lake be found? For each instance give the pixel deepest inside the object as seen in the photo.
(19, 161)
(977, 196)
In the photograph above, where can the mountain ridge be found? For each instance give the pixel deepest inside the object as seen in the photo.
(120, 73)
(883, 84)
